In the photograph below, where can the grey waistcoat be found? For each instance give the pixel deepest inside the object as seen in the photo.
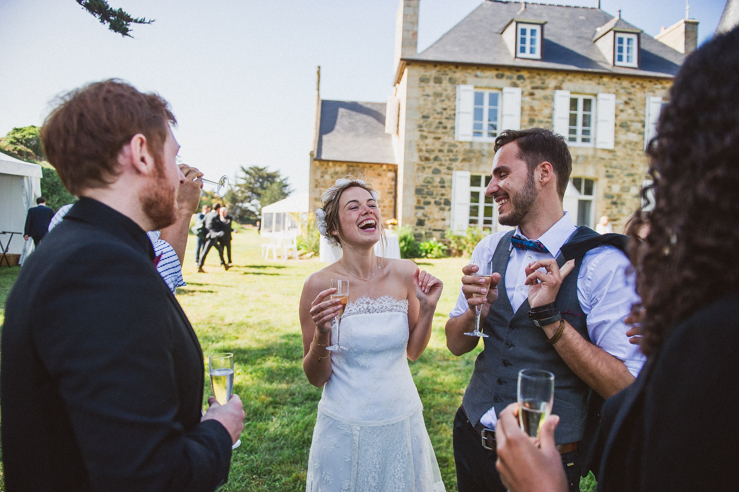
(515, 343)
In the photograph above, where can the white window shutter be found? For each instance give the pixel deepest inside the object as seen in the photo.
(605, 129)
(460, 216)
(654, 106)
(391, 115)
(561, 117)
(465, 106)
(511, 118)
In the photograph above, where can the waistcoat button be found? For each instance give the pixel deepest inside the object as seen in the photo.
(497, 399)
(507, 363)
(501, 381)
(509, 344)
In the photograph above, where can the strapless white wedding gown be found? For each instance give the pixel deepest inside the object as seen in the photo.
(370, 434)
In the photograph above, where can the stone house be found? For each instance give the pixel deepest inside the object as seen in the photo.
(590, 76)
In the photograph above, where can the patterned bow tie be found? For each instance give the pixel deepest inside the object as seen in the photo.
(520, 243)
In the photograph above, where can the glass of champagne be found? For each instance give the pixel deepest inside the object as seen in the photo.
(221, 185)
(221, 369)
(342, 293)
(484, 269)
(535, 399)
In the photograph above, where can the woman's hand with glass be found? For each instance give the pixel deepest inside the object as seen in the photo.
(324, 309)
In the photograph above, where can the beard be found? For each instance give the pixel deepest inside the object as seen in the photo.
(159, 200)
(521, 203)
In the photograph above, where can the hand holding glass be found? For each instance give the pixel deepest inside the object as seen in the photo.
(342, 293)
(484, 269)
(221, 369)
(535, 399)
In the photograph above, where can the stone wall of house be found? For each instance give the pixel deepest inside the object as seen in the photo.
(382, 177)
(432, 154)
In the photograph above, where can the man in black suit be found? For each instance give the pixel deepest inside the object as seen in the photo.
(37, 221)
(215, 231)
(101, 383)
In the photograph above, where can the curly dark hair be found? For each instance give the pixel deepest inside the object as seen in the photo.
(687, 260)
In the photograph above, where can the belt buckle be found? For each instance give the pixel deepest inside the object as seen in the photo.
(488, 434)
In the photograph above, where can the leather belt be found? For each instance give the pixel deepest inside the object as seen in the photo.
(487, 436)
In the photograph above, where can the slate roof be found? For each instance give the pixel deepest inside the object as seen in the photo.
(354, 132)
(568, 41)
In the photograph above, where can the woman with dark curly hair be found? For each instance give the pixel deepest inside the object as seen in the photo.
(675, 428)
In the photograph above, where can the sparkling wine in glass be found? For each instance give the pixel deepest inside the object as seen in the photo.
(342, 293)
(221, 369)
(485, 270)
(535, 398)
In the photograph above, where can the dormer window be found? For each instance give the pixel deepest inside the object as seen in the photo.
(625, 50)
(528, 41)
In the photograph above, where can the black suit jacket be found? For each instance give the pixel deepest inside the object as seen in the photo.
(213, 225)
(37, 221)
(675, 428)
(101, 384)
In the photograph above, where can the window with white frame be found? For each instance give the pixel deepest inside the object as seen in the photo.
(625, 50)
(486, 115)
(581, 121)
(585, 200)
(528, 41)
(482, 208)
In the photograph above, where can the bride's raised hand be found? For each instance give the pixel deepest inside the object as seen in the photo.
(428, 288)
(323, 311)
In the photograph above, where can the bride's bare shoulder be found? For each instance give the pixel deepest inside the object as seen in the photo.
(402, 268)
(321, 279)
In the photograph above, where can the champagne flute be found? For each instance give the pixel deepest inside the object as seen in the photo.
(342, 293)
(535, 399)
(221, 368)
(221, 185)
(484, 269)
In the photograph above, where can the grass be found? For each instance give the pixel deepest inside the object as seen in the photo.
(252, 311)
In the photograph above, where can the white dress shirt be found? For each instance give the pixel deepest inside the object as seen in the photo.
(605, 289)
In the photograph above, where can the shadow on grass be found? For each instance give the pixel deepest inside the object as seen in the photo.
(188, 292)
(263, 266)
(198, 284)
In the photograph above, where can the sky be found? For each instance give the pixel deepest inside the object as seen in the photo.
(240, 75)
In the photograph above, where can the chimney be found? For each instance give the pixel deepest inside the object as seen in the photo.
(317, 120)
(406, 32)
(681, 36)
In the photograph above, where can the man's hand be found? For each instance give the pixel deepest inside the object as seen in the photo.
(188, 195)
(472, 284)
(25, 238)
(523, 466)
(544, 286)
(231, 415)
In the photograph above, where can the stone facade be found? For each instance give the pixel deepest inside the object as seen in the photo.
(430, 153)
(382, 177)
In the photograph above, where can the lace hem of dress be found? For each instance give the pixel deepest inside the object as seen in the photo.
(383, 304)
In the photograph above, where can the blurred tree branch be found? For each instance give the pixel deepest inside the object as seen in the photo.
(117, 20)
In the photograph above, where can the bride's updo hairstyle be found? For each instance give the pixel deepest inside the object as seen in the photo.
(327, 217)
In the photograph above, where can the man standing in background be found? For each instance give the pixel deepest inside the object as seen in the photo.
(225, 241)
(37, 221)
(200, 231)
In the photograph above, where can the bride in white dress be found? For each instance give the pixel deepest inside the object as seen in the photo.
(369, 433)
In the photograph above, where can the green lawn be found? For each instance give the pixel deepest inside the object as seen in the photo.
(252, 311)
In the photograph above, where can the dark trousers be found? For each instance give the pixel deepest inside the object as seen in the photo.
(199, 248)
(208, 244)
(226, 247)
(476, 470)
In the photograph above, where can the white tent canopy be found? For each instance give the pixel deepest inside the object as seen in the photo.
(281, 216)
(20, 185)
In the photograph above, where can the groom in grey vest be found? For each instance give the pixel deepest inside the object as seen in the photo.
(556, 301)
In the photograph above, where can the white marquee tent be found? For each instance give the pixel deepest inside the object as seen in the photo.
(20, 185)
(284, 216)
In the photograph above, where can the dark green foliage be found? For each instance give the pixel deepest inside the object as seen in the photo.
(408, 245)
(432, 249)
(255, 188)
(53, 190)
(23, 143)
(310, 240)
(117, 20)
(463, 244)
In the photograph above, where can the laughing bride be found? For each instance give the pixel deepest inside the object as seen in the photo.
(369, 433)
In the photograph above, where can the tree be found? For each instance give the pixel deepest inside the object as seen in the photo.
(255, 188)
(117, 20)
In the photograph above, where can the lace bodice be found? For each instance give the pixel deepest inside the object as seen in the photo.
(371, 379)
(384, 304)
